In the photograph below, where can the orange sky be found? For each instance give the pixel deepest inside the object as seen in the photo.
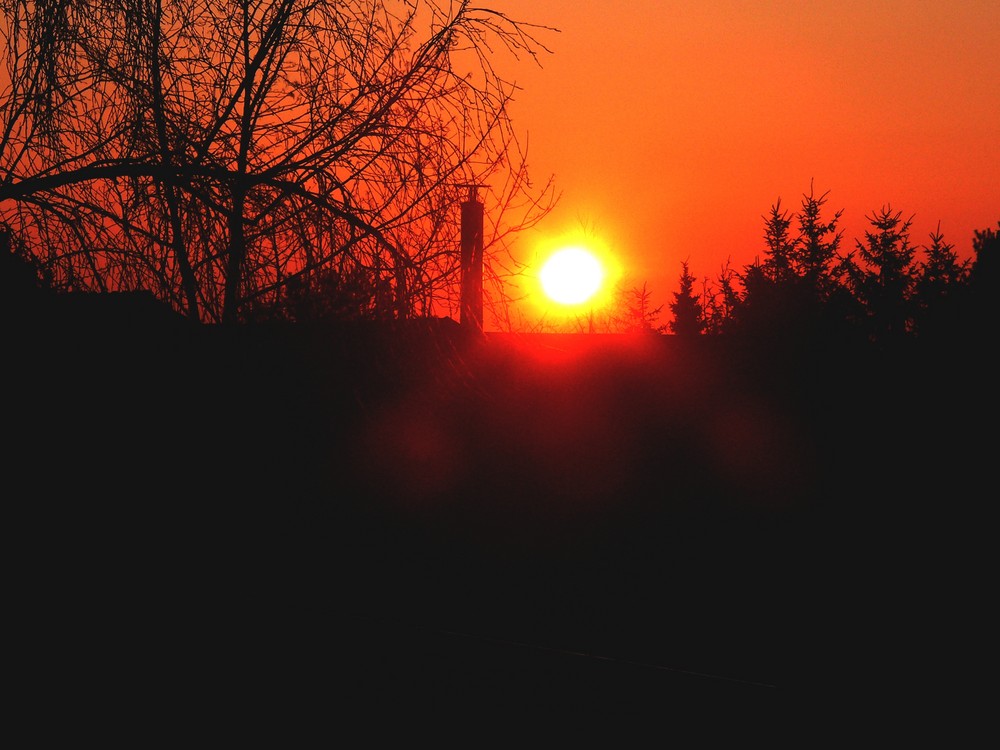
(671, 127)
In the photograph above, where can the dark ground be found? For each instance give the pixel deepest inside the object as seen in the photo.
(417, 532)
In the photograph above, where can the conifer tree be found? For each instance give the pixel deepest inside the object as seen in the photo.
(884, 278)
(720, 302)
(818, 243)
(986, 266)
(686, 307)
(984, 279)
(940, 279)
(640, 314)
(781, 248)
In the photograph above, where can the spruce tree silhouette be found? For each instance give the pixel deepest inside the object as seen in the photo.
(984, 277)
(688, 316)
(938, 291)
(883, 277)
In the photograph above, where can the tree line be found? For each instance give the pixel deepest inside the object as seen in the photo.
(806, 284)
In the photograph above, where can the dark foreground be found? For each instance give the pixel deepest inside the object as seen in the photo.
(409, 531)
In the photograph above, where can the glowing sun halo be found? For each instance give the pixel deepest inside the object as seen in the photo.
(571, 276)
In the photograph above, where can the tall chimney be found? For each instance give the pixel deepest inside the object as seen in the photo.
(472, 261)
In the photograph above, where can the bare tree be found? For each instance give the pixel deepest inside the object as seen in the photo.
(212, 152)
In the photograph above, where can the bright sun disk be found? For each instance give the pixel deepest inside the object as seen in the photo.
(571, 276)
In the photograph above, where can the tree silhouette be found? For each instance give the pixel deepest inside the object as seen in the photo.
(211, 153)
(782, 250)
(640, 315)
(805, 291)
(794, 293)
(686, 307)
(986, 266)
(984, 279)
(818, 243)
(883, 280)
(23, 281)
(719, 301)
(937, 290)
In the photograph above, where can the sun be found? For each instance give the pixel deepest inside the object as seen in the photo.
(571, 276)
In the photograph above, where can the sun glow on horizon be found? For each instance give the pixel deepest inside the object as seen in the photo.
(571, 277)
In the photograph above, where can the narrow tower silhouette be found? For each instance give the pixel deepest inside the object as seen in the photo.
(472, 260)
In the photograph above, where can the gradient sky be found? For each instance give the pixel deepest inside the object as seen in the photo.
(672, 127)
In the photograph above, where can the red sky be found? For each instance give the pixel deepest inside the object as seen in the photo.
(672, 127)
